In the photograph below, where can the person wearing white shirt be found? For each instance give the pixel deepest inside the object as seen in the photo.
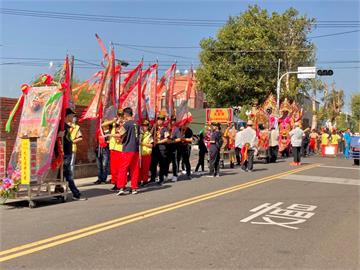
(238, 146)
(248, 136)
(296, 135)
(274, 144)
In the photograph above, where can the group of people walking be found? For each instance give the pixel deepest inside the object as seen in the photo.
(143, 153)
(127, 150)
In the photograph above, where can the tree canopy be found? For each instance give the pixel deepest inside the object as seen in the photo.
(355, 106)
(240, 64)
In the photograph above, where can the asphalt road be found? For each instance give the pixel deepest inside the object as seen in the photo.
(205, 223)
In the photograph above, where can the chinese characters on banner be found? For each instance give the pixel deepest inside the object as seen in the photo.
(25, 161)
(220, 115)
(33, 160)
(274, 215)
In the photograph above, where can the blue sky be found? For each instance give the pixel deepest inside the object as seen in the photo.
(30, 37)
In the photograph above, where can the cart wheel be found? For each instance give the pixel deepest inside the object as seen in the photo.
(63, 199)
(32, 204)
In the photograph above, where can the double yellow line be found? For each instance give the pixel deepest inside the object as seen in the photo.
(26, 249)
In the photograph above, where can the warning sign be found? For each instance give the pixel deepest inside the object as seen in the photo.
(221, 115)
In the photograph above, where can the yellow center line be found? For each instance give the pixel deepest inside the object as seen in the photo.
(91, 230)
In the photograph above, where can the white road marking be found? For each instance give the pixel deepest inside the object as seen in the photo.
(322, 179)
(336, 167)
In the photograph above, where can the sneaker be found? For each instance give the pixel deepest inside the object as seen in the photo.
(250, 170)
(114, 188)
(293, 164)
(217, 176)
(79, 198)
(243, 170)
(121, 192)
(188, 177)
(174, 179)
(134, 191)
(210, 176)
(98, 182)
(183, 172)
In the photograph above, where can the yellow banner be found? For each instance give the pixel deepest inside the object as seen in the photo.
(220, 115)
(25, 161)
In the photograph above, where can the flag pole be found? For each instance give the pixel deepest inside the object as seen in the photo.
(139, 112)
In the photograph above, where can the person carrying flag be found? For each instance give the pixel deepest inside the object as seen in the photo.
(174, 148)
(160, 154)
(115, 147)
(146, 150)
(129, 157)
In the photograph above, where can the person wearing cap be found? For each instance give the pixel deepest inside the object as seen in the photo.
(162, 137)
(129, 157)
(146, 150)
(174, 147)
(102, 151)
(249, 141)
(296, 135)
(214, 151)
(115, 147)
(68, 151)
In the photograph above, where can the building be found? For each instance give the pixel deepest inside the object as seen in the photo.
(306, 104)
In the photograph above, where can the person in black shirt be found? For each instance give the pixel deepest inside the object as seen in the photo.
(160, 151)
(173, 147)
(130, 153)
(214, 153)
(68, 151)
(184, 148)
(202, 152)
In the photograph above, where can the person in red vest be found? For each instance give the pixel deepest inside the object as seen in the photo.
(130, 153)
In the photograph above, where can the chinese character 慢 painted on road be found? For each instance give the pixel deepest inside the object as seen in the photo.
(274, 215)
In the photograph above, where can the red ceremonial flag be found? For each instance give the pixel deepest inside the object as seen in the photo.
(101, 46)
(129, 82)
(183, 115)
(166, 85)
(109, 90)
(94, 110)
(149, 91)
(67, 90)
(132, 97)
(189, 83)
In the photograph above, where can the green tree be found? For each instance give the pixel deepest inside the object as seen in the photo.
(355, 109)
(333, 102)
(312, 88)
(240, 64)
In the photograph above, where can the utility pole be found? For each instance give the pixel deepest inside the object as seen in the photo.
(278, 92)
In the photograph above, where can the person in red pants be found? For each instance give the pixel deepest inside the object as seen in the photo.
(115, 147)
(146, 150)
(129, 157)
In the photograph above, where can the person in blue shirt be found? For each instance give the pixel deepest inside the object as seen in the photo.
(347, 139)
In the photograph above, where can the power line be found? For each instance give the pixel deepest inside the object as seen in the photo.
(158, 53)
(148, 20)
(335, 34)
